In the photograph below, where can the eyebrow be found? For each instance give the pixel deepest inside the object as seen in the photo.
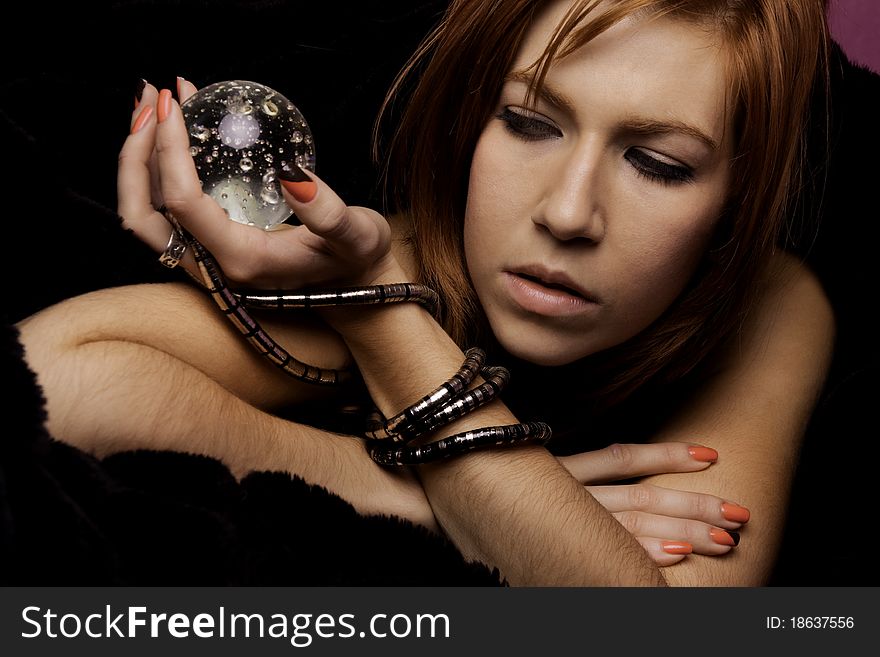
(650, 127)
(546, 91)
(637, 125)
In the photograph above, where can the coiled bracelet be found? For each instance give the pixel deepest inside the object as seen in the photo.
(386, 439)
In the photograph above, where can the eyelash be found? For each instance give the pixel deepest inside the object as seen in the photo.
(657, 170)
(529, 128)
(526, 127)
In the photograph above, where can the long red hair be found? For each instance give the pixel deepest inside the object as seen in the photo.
(776, 61)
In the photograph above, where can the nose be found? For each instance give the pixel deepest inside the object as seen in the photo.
(571, 206)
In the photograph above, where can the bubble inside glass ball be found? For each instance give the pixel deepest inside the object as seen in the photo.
(241, 134)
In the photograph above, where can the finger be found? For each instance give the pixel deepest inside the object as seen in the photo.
(351, 232)
(185, 89)
(669, 502)
(148, 97)
(332, 234)
(625, 461)
(133, 175)
(180, 185)
(665, 552)
(704, 538)
(149, 94)
(181, 189)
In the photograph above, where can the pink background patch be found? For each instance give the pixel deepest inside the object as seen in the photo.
(855, 25)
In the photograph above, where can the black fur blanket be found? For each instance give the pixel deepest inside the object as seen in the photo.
(67, 518)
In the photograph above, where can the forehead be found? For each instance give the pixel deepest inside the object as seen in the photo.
(662, 65)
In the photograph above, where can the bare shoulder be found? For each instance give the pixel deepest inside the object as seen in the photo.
(791, 307)
(787, 273)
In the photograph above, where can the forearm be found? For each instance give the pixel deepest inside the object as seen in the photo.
(516, 509)
(109, 396)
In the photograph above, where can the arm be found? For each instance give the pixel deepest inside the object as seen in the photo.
(517, 509)
(93, 360)
(157, 367)
(755, 411)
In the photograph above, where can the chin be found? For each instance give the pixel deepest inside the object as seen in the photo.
(538, 354)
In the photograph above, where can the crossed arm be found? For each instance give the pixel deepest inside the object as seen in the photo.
(111, 374)
(754, 413)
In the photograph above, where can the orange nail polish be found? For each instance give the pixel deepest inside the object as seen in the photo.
(735, 512)
(677, 547)
(297, 182)
(723, 537)
(302, 192)
(706, 454)
(164, 105)
(142, 118)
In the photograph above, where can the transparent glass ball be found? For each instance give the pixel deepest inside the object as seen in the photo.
(241, 134)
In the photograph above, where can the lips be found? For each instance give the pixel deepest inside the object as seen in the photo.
(552, 286)
(548, 293)
(554, 280)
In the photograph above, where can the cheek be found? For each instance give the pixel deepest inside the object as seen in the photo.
(669, 255)
(472, 216)
(491, 188)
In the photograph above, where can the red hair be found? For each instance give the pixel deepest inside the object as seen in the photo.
(776, 54)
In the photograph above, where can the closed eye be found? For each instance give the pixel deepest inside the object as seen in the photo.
(658, 170)
(527, 125)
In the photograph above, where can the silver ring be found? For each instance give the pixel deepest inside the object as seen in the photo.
(173, 253)
(176, 248)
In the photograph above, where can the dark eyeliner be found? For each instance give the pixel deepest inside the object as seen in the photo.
(657, 170)
(526, 127)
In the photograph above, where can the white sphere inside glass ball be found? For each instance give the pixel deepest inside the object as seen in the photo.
(241, 134)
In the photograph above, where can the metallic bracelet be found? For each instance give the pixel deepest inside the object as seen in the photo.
(400, 425)
(456, 407)
(233, 304)
(469, 400)
(347, 296)
(387, 439)
(512, 434)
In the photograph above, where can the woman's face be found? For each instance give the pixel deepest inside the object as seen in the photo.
(587, 215)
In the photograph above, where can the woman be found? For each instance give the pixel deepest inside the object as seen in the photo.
(616, 188)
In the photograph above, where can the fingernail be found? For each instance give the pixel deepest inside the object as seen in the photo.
(723, 537)
(180, 81)
(735, 512)
(163, 107)
(139, 92)
(142, 118)
(699, 453)
(677, 547)
(298, 183)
